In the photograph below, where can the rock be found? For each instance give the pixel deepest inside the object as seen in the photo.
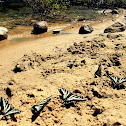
(70, 64)
(3, 33)
(80, 19)
(28, 62)
(117, 27)
(115, 60)
(30, 95)
(106, 11)
(115, 11)
(40, 27)
(85, 29)
(116, 124)
(96, 92)
(11, 82)
(97, 110)
(111, 36)
(56, 31)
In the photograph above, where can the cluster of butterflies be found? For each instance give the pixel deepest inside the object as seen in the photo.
(67, 98)
(116, 81)
(8, 110)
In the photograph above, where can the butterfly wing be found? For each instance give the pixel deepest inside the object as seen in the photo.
(36, 108)
(8, 109)
(6, 106)
(73, 97)
(114, 79)
(68, 97)
(121, 80)
(98, 72)
(11, 112)
(64, 93)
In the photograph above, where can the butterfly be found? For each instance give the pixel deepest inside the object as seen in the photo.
(8, 109)
(98, 72)
(38, 107)
(116, 81)
(68, 97)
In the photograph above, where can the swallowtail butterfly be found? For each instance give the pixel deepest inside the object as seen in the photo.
(8, 109)
(98, 72)
(38, 107)
(116, 81)
(68, 97)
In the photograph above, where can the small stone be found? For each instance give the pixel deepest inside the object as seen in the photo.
(97, 110)
(56, 31)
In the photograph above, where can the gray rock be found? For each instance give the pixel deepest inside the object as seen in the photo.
(3, 33)
(56, 31)
(115, 11)
(40, 27)
(81, 19)
(85, 29)
(117, 27)
(106, 11)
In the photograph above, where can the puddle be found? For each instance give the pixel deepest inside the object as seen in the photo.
(18, 40)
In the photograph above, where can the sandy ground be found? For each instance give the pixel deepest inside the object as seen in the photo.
(45, 67)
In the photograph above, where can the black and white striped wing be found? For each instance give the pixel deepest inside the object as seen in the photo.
(121, 80)
(5, 105)
(117, 80)
(11, 112)
(114, 79)
(73, 97)
(36, 108)
(64, 93)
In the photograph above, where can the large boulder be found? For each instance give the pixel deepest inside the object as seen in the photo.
(3, 33)
(115, 11)
(117, 27)
(85, 29)
(40, 27)
(107, 11)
